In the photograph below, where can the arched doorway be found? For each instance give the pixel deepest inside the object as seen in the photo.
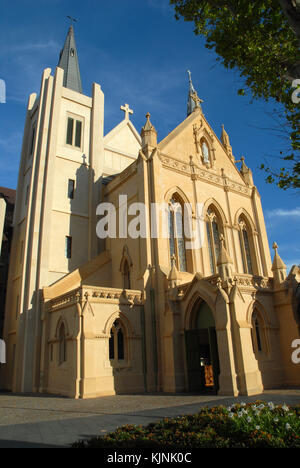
(202, 356)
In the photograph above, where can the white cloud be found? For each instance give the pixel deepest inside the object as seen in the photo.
(284, 213)
(28, 47)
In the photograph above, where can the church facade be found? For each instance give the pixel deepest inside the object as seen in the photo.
(87, 316)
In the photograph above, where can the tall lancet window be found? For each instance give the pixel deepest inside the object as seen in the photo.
(258, 333)
(62, 354)
(176, 233)
(246, 247)
(117, 342)
(213, 231)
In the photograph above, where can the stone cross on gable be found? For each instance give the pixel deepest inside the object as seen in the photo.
(127, 111)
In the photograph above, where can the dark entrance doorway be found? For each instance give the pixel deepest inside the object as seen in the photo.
(202, 351)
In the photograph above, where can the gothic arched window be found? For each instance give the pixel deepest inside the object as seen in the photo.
(117, 342)
(62, 352)
(213, 231)
(258, 333)
(246, 247)
(176, 233)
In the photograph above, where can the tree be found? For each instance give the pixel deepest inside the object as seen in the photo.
(261, 39)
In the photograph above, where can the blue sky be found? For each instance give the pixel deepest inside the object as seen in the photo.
(139, 54)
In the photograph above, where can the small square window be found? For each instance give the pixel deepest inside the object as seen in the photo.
(68, 251)
(74, 132)
(27, 195)
(78, 133)
(17, 306)
(71, 188)
(70, 131)
(32, 141)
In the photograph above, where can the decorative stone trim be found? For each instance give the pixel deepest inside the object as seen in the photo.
(227, 184)
(93, 294)
(65, 300)
(175, 164)
(129, 296)
(256, 282)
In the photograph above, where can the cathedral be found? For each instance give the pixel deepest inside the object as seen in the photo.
(88, 316)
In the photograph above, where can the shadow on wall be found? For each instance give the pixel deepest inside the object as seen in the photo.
(76, 240)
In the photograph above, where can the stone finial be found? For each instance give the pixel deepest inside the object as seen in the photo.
(278, 266)
(223, 255)
(278, 263)
(224, 261)
(246, 172)
(173, 275)
(149, 133)
(226, 142)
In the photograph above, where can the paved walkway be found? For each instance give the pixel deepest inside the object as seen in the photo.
(46, 421)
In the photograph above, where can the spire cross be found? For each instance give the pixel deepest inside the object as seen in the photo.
(275, 246)
(72, 20)
(127, 111)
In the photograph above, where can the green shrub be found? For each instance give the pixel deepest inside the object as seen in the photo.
(252, 425)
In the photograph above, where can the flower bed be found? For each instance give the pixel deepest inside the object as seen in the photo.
(252, 425)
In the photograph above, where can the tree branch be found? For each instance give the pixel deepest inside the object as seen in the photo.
(293, 16)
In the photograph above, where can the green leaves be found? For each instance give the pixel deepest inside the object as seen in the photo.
(255, 38)
(242, 425)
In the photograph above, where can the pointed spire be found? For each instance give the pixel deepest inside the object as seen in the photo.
(278, 263)
(194, 102)
(278, 267)
(148, 133)
(244, 167)
(246, 172)
(68, 61)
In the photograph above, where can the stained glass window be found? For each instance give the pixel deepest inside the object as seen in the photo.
(247, 250)
(171, 234)
(213, 239)
(245, 247)
(210, 248)
(176, 234)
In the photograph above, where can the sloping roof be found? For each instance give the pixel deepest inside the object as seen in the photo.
(68, 61)
(8, 194)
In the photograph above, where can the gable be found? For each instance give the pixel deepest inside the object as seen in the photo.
(185, 141)
(124, 138)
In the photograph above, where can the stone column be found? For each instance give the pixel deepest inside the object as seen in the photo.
(248, 374)
(227, 377)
